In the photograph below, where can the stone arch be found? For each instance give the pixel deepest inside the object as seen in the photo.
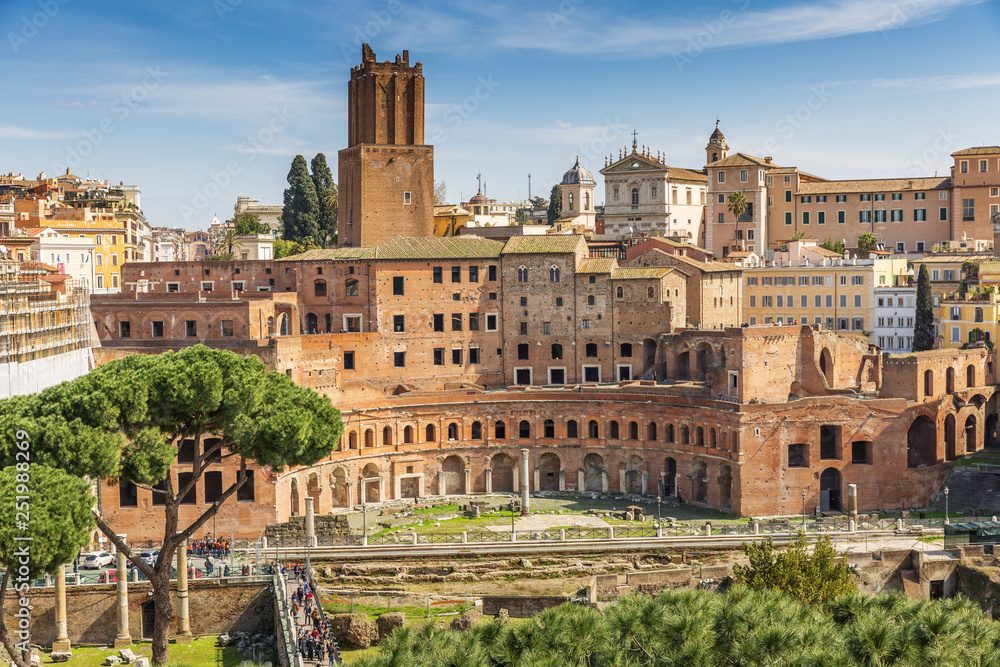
(284, 325)
(477, 430)
(682, 364)
(699, 480)
(668, 432)
(928, 382)
(387, 436)
(549, 466)
(670, 476)
(500, 430)
(685, 435)
(371, 487)
(453, 476)
(633, 430)
(970, 433)
(293, 498)
(593, 472)
(430, 433)
(549, 429)
(651, 431)
(613, 432)
(369, 437)
(970, 375)
(338, 487)
(503, 472)
(921, 443)
(950, 454)
(699, 436)
(593, 430)
(572, 429)
(408, 434)
(826, 366)
(312, 323)
(524, 429)
(648, 354)
(949, 381)
(453, 431)
(829, 490)
(352, 440)
(725, 486)
(704, 359)
(633, 475)
(314, 491)
(711, 439)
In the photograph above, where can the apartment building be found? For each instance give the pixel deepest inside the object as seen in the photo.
(895, 312)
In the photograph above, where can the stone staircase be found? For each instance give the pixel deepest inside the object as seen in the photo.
(972, 490)
(649, 373)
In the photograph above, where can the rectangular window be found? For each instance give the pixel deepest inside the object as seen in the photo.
(207, 286)
(100, 259)
(857, 280)
(473, 355)
(124, 329)
(841, 217)
(439, 356)
(491, 322)
(857, 300)
(473, 274)
(399, 359)
(968, 210)
(841, 198)
(880, 215)
(864, 216)
(818, 301)
(546, 328)
(438, 275)
(805, 200)
(722, 176)
(788, 195)
(191, 497)
(406, 198)
(438, 321)
(397, 286)
(900, 247)
(213, 485)
(722, 218)
(956, 335)
(523, 328)
(821, 218)
(348, 361)
(788, 217)
(880, 197)
(743, 176)
(897, 215)
(982, 166)
(585, 324)
(491, 273)
(245, 494)
(157, 329)
(191, 329)
(805, 217)
(829, 301)
(780, 301)
(919, 214)
(866, 197)
(897, 196)
(456, 274)
(803, 301)
(456, 357)
(920, 246)
(227, 328)
(753, 301)
(473, 321)
(843, 301)
(456, 321)
(398, 323)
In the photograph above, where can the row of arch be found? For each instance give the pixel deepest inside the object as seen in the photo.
(971, 377)
(684, 434)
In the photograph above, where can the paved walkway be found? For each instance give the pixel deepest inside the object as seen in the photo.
(304, 627)
(538, 522)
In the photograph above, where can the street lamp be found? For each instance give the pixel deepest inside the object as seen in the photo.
(512, 517)
(803, 511)
(364, 524)
(946, 505)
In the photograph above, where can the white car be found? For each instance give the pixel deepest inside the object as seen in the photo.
(97, 560)
(149, 557)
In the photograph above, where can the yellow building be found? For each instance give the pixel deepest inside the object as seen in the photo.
(969, 318)
(449, 219)
(835, 294)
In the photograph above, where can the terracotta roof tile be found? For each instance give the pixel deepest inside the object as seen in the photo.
(597, 265)
(876, 185)
(979, 150)
(630, 273)
(524, 245)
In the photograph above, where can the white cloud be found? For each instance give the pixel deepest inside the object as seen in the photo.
(563, 124)
(925, 84)
(11, 132)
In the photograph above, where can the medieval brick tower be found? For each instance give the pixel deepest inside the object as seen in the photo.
(386, 174)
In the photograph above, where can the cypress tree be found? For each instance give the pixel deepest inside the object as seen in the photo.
(923, 330)
(326, 193)
(300, 217)
(555, 203)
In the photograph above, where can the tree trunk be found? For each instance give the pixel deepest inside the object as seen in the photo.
(164, 612)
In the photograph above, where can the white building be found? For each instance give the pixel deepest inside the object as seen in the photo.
(578, 206)
(895, 312)
(269, 215)
(71, 255)
(254, 246)
(645, 195)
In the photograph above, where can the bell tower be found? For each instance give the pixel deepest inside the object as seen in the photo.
(717, 148)
(386, 173)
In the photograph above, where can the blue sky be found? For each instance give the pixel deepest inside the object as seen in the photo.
(199, 101)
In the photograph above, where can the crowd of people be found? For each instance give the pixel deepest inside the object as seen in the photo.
(316, 643)
(209, 547)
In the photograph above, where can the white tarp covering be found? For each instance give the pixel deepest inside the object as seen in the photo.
(33, 376)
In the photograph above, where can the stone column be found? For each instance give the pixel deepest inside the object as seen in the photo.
(350, 496)
(621, 480)
(489, 480)
(525, 498)
(581, 480)
(517, 479)
(124, 639)
(604, 480)
(397, 491)
(852, 501)
(562, 479)
(183, 615)
(381, 489)
(441, 484)
(538, 478)
(468, 481)
(61, 644)
(645, 483)
(310, 522)
(420, 486)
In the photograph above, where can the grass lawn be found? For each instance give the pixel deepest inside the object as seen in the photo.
(203, 651)
(368, 605)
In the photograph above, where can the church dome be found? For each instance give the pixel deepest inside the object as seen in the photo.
(717, 135)
(577, 175)
(479, 198)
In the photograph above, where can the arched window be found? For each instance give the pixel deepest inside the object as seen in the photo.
(453, 431)
(620, 292)
(524, 429)
(430, 433)
(319, 288)
(626, 349)
(553, 274)
(978, 315)
(352, 440)
(668, 432)
(570, 199)
(329, 322)
(550, 429)
(586, 201)
(591, 349)
(284, 327)
(312, 322)
(571, 429)
(500, 431)
(592, 431)
(633, 431)
(522, 274)
(651, 431)
(351, 287)
(613, 430)
(635, 196)
(477, 431)
(557, 351)
(408, 435)
(387, 437)
(369, 438)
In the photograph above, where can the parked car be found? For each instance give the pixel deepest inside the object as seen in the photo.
(97, 560)
(149, 556)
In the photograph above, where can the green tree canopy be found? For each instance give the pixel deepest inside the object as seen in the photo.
(555, 203)
(124, 422)
(300, 216)
(283, 248)
(737, 204)
(228, 241)
(539, 202)
(326, 194)
(249, 223)
(816, 577)
(58, 521)
(867, 242)
(923, 324)
(829, 244)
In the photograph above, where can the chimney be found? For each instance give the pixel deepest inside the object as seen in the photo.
(768, 159)
(910, 185)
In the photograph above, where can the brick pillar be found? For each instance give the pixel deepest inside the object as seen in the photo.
(525, 498)
(183, 615)
(581, 479)
(604, 480)
(61, 644)
(489, 480)
(123, 639)
(562, 479)
(645, 483)
(350, 495)
(468, 481)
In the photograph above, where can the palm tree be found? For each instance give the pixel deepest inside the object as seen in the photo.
(227, 240)
(737, 206)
